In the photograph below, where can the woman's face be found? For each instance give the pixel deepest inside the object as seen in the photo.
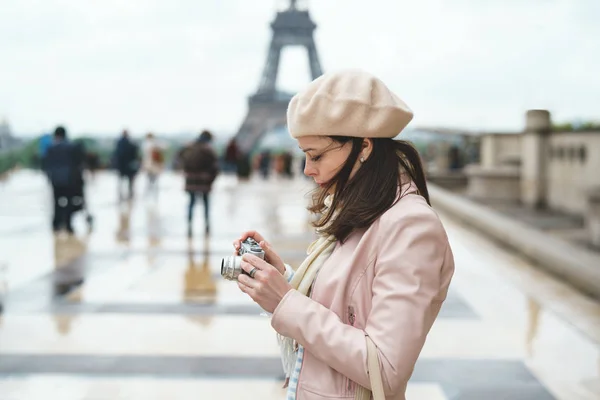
(324, 157)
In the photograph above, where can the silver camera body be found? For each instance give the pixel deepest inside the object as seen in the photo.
(231, 265)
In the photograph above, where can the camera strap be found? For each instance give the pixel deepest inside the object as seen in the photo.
(374, 373)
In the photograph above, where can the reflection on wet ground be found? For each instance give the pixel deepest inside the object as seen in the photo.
(135, 309)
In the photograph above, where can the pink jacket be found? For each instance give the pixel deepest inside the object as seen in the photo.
(388, 281)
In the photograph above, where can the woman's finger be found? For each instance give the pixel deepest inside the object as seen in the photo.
(250, 261)
(266, 247)
(246, 281)
(253, 234)
(270, 252)
(271, 257)
(248, 267)
(255, 261)
(246, 235)
(246, 289)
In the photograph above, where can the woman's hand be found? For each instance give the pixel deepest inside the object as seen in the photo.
(270, 256)
(268, 286)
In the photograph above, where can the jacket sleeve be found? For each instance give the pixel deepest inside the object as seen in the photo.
(408, 289)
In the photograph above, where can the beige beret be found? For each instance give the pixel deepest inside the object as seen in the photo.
(347, 103)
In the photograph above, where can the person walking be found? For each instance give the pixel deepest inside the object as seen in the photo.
(152, 163)
(60, 163)
(231, 157)
(201, 168)
(126, 161)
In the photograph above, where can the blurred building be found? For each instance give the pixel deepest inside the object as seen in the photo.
(541, 168)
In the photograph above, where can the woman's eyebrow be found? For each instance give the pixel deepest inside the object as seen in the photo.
(305, 150)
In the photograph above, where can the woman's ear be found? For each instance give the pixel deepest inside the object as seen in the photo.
(366, 148)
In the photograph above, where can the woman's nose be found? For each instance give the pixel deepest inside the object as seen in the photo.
(309, 170)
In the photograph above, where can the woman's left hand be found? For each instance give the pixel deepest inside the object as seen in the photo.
(268, 286)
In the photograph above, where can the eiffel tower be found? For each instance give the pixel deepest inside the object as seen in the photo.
(267, 107)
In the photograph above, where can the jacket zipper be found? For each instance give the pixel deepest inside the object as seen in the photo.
(351, 320)
(351, 315)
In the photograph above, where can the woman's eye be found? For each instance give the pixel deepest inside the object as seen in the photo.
(315, 158)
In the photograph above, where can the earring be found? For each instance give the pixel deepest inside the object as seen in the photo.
(362, 159)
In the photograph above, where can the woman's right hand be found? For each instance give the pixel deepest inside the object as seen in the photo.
(270, 256)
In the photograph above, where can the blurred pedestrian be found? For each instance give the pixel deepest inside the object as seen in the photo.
(264, 164)
(78, 198)
(127, 163)
(287, 164)
(201, 167)
(153, 161)
(60, 163)
(92, 161)
(44, 144)
(231, 156)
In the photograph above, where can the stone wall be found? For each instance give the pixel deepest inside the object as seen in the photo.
(497, 177)
(534, 168)
(500, 149)
(500, 183)
(541, 169)
(573, 169)
(557, 169)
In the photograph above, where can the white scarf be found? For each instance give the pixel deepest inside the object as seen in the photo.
(318, 252)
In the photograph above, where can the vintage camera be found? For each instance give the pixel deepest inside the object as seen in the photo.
(231, 266)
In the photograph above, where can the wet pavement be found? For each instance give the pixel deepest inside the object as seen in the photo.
(136, 310)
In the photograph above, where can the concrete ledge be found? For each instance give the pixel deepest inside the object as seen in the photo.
(450, 179)
(579, 266)
(494, 183)
(592, 218)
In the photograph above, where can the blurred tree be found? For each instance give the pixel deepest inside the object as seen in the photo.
(593, 126)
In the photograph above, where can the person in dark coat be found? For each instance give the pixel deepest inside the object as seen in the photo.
(201, 167)
(78, 193)
(231, 156)
(287, 164)
(60, 165)
(264, 164)
(126, 161)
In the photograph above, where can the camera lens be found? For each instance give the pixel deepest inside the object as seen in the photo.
(231, 267)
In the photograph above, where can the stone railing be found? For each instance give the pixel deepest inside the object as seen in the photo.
(498, 176)
(573, 165)
(500, 183)
(592, 217)
(540, 169)
(575, 264)
(500, 149)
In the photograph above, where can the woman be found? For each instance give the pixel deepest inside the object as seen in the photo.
(382, 264)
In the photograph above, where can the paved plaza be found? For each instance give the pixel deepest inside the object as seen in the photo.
(136, 310)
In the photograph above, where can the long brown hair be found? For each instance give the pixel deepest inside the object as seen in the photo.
(359, 201)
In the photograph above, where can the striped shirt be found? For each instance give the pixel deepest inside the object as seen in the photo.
(293, 382)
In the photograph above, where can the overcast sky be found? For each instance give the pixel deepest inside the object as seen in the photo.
(183, 65)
